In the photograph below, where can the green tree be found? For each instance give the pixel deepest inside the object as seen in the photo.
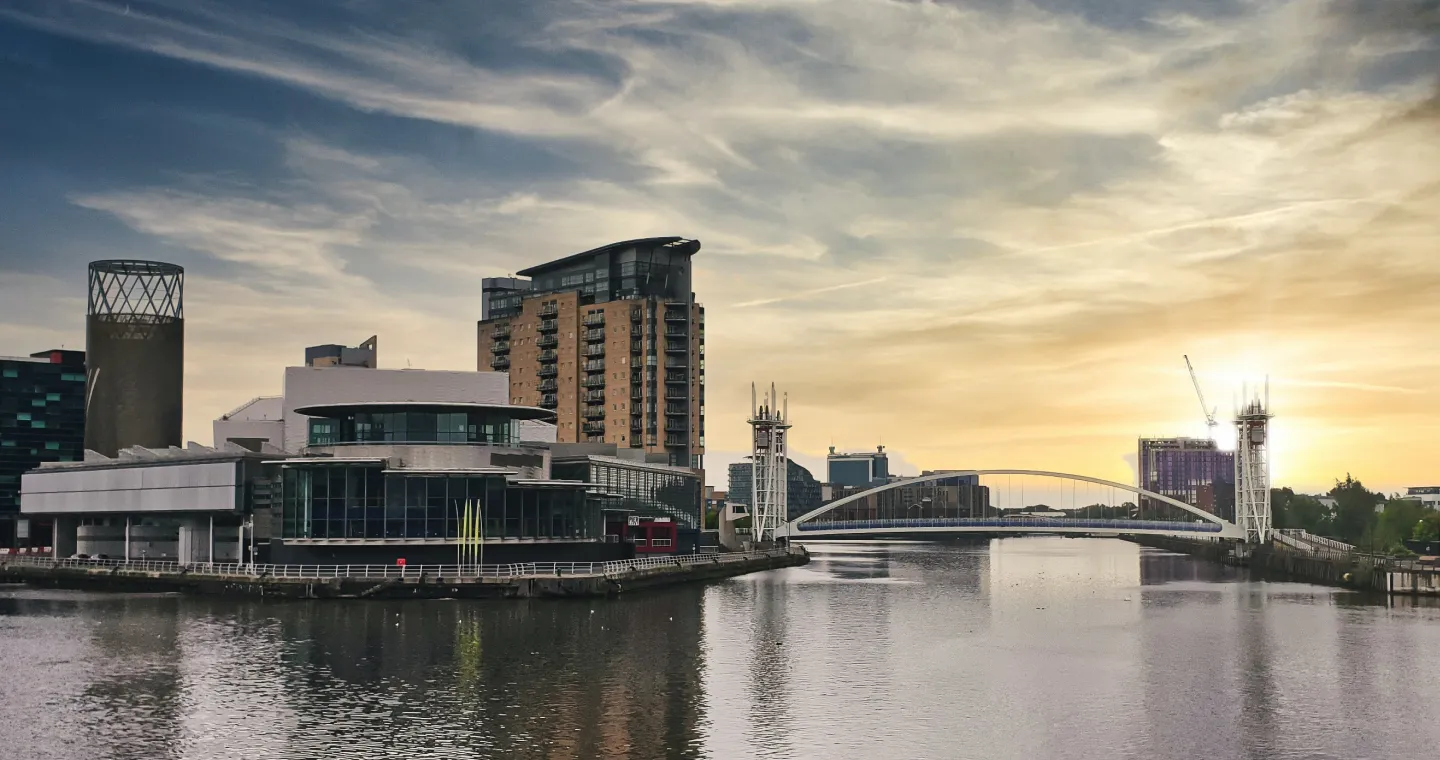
(1354, 510)
(1396, 523)
(1428, 527)
(1292, 510)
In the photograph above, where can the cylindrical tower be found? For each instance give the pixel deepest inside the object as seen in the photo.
(135, 354)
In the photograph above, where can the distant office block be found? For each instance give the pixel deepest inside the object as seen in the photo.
(42, 419)
(857, 469)
(1192, 470)
(135, 352)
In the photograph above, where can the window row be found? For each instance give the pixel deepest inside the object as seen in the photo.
(415, 427)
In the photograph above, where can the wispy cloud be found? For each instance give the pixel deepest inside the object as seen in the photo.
(1041, 204)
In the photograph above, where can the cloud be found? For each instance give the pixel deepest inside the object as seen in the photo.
(983, 231)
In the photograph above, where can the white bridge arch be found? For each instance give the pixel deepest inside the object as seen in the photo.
(1206, 524)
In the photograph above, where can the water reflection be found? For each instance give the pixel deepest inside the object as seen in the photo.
(1022, 648)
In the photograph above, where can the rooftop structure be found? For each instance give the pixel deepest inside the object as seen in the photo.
(335, 355)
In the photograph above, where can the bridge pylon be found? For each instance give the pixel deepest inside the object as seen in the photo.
(769, 421)
(1252, 469)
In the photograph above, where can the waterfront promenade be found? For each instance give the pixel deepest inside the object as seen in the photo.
(524, 580)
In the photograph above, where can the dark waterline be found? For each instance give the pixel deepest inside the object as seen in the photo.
(1024, 648)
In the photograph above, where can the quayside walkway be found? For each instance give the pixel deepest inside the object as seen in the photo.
(549, 579)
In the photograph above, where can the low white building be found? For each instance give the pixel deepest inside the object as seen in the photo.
(274, 419)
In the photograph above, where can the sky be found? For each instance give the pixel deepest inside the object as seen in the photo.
(981, 233)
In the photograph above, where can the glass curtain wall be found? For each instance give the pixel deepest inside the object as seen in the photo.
(351, 501)
(415, 427)
(646, 492)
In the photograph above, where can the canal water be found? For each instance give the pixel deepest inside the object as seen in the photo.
(1022, 648)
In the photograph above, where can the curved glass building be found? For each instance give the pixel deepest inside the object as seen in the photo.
(380, 481)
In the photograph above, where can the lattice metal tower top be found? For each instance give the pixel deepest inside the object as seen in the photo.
(128, 289)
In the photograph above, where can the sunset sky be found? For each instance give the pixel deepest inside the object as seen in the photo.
(982, 233)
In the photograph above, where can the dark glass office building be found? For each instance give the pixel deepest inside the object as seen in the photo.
(802, 492)
(42, 419)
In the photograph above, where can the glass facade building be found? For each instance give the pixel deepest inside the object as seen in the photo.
(1192, 470)
(857, 469)
(354, 500)
(802, 492)
(42, 419)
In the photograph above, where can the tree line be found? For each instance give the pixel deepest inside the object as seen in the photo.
(1367, 519)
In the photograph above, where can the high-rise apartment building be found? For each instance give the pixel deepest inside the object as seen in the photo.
(42, 419)
(612, 339)
(1193, 470)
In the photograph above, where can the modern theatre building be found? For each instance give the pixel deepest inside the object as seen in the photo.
(388, 480)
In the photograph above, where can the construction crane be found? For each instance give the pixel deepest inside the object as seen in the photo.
(1206, 410)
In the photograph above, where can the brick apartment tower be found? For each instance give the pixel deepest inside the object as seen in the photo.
(612, 340)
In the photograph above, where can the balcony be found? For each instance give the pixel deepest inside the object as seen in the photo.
(680, 409)
(549, 370)
(595, 350)
(676, 376)
(676, 347)
(594, 381)
(634, 424)
(671, 330)
(548, 341)
(549, 310)
(549, 401)
(636, 347)
(595, 365)
(500, 362)
(676, 316)
(501, 332)
(549, 356)
(594, 320)
(636, 331)
(636, 393)
(676, 363)
(637, 315)
(500, 347)
(595, 427)
(594, 336)
(676, 393)
(676, 427)
(549, 385)
(549, 325)
(595, 412)
(676, 440)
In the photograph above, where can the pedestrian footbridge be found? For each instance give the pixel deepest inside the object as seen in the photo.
(1007, 502)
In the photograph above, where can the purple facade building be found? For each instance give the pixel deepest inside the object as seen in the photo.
(1192, 470)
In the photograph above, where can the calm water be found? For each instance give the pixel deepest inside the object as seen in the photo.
(1025, 648)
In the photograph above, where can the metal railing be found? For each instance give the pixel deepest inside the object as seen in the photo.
(401, 572)
(1310, 538)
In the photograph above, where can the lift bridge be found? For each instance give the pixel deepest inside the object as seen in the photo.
(1008, 502)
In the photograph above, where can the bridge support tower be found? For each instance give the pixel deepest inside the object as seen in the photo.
(1252, 470)
(769, 422)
